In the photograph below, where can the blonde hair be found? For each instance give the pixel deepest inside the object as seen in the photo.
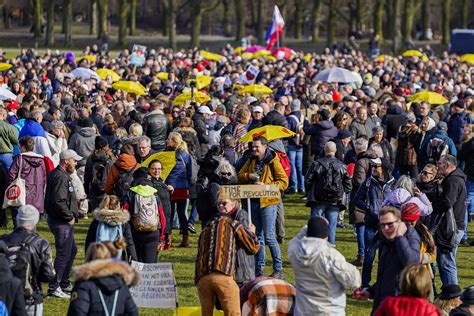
(121, 132)
(115, 246)
(415, 281)
(446, 305)
(110, 202)
(180, 144)
(97, 251)
(135, 130)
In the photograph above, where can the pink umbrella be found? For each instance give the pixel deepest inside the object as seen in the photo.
(283, 53)
(254, 49)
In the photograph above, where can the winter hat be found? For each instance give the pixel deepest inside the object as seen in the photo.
(344, 133)
(140, 173)
(295, 105)
(431, 124)
(100, 142)
(411, 118)
(410, 212)
(450, 291)
(85, 122)
(467, 296)
(442, 126)
(325, 114)
(318, 227)
(27, 215)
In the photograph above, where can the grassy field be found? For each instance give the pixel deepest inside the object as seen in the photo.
(183, 261)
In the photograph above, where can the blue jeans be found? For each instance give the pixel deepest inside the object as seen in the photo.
(264, 221)
(194, 213)
(370, 243)
(7, 161)
(360, 231)
(330, 212)
(447, 263)
(470, 205)
(295, 154)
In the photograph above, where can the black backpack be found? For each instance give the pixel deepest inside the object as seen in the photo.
(124, 182)
(100, 171)
(437, 148)
(329, 183)
(19, 258)
(203, 201)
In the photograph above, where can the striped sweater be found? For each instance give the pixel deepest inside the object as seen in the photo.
(217, 248)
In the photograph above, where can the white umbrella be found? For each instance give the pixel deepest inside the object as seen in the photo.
(6, 94)
(85, 74)
(336, 74)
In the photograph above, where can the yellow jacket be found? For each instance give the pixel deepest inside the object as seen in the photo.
(272, 173)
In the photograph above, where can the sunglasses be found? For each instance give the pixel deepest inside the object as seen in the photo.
(426, 173)
(226, 174)
(224, 203)
(387, 225)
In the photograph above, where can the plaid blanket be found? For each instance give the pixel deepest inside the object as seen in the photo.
(271, 297)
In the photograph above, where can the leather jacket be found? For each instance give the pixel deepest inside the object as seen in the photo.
(157, 126)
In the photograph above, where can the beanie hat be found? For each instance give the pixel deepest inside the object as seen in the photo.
(410, 212)
(450, 291)
(318, 227)
(27, 215)
(467, 296)
(295, 105)
(140, 173)
(100, 142)
(344, 133)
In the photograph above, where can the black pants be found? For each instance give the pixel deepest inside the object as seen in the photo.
(146, 244)
(180, 207)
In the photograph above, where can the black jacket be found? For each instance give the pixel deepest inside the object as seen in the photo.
(454, 195)
(274, 118)
(113, 218)
(41, 259)
(316, 171)
(11, 290)
(107, 276)
(164, 194)
(202, 131)
(157, 126)
(95, 195)
(320, 133)
(60, 200)
(467, 155)
(393, 120)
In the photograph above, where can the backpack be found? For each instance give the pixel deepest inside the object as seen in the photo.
(329, 183)
(299, 131)
(124, 182)
(19, 258)
(100, 171)
(436, 149)
(285, 162)
(204, 206)
(146, 216)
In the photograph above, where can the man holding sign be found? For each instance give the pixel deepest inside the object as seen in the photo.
(265, 168)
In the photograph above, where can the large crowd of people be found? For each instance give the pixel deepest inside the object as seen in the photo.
(144, 149)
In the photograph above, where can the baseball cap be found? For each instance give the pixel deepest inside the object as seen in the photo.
(257, 108)
(204, 109)
(69, 154)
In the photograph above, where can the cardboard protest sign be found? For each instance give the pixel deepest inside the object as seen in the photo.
(138, 55)
(157, 287)
(248, 191)
(249, 76)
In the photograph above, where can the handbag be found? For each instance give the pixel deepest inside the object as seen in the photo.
(15, 194)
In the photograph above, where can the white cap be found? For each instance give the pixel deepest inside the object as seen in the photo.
(85, 87)
(204, 109)
(250, 99)
(257, 108)
(69, 154)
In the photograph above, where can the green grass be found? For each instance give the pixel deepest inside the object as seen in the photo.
(183, 261)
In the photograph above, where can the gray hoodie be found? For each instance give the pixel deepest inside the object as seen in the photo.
(83, 143)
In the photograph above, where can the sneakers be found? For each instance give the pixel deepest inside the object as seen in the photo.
(278, 275)
(191, 228)
(67, 289)
(58, 293)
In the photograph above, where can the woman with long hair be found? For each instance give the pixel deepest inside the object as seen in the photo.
(180, 179)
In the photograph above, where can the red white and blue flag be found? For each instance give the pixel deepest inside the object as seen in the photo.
(275, 30)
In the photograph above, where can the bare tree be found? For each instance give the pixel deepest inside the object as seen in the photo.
(67, 18)
(92, 17)
(197, 10)
(331, 19)
(298, 16)
(315, 14)
(410, 8)
(122, 32)
(37, 18)
(260, 21)
(425, 18)
(103, 6)
(50, 23)
(227, 18)
(465, 13)
(240, 17)
(446, 18)
(378, 19)
(164, 17)
(133, 16)
(172, 23)
(396, 26)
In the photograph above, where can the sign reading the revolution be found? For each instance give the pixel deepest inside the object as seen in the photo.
(157, 287)
(249, 191)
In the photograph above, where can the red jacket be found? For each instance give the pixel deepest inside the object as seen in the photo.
(406, 306)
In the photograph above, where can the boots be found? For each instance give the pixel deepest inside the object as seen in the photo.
(358, 262)
(185, 242)
(167, 242)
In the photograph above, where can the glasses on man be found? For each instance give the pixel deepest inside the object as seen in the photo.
(156, 169)
(427, 173)
(387, 225)
(228, 174)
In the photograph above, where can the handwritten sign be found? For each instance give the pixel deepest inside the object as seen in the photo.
(157, 287)
(138, 55)
(249, 191)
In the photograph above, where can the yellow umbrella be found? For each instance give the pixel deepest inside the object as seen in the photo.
(467, 58)
(262, 52)
(90, 58)
(198, 96)
(414, 52)
(104, 72)
(257, 89)
(271, 58)
(5, 66)
(167, 159)
(307, 58)
(428, 96)
(162, 75)
(130, 87)
(210, 56)
(238, 50)
(270, 132)
(202, 81)
(247, 55)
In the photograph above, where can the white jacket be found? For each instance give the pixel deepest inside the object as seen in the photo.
(321, 275)
(56, 145)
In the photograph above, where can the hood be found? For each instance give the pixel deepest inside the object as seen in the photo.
(112, 217)
(185, 130)
(326, 124)
(33, 159)
(458, 173)
(106, 268)
(395, 110)
(307, 248)
(5, 272)
(397, 198)
(126, 161)
(269, 156)
(277, 145)
(87, 132)
(406, 130)
(442, 134)
(143, 190)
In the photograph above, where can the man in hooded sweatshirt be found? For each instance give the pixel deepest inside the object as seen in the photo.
(83, 143)
(316, 261)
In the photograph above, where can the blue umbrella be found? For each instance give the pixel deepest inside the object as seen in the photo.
(336, 74)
